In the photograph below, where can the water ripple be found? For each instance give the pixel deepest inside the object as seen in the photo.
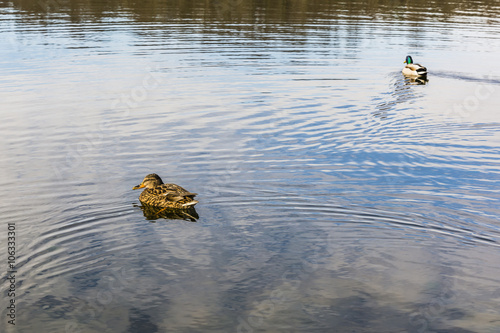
(317, 163)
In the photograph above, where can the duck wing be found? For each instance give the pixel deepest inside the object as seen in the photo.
(175, 197)
(420, 69)
(174, 192)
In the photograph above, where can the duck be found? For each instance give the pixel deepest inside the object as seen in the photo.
(162, 195)
(412, 69)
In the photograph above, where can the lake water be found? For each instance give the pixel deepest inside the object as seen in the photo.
(334, 194)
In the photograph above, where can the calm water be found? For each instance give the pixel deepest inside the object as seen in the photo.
(335, 196)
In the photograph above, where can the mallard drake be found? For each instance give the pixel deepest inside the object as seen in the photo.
(412, 69)
(164, 195)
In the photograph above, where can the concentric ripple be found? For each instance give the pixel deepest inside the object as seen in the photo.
(334, 193)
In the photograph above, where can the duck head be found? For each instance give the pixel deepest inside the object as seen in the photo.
(408, 60)
(150, 181)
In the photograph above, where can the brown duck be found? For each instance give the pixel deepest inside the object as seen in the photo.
(164, 195)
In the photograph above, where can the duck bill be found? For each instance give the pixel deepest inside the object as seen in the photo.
(138, 186)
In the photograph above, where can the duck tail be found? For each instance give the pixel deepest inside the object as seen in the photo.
(190, 203)
(422, 70)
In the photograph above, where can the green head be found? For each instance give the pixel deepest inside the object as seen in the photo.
(408, 60)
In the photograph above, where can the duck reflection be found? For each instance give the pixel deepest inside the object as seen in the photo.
(154, 213)
(416, 80)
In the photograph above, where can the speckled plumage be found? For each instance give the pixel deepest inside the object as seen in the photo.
(164, 195)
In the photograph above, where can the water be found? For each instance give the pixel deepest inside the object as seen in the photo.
(334, 194)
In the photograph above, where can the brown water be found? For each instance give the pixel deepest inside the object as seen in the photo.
(335, 196)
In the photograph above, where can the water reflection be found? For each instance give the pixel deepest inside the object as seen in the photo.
(155, 213)
(416, 80)
(253, 11)
(336, 194)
